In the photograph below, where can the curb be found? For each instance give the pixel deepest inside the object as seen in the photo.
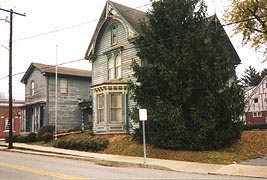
(169, 165)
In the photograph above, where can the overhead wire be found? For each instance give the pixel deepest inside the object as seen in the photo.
(153, 42)
(72, 26)
(160, 40)
(44, 68)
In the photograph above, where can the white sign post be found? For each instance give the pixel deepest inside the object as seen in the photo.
(143, 118)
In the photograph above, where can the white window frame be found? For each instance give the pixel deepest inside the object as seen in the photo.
(100, 109)
(63, 85)
(257, 114)
(118, 66)
(115, 67)
(117, 108)
(111, 70)
(7, 125)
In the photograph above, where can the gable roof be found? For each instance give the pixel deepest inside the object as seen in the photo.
(254, 91)
(129, 15)
(51, 69)
(213, 22)
(133, 17)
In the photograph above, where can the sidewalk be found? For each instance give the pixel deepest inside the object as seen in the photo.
(128, 161)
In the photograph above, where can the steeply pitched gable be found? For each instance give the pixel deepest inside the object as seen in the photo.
(129, 16)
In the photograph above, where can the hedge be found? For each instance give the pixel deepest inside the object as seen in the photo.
(84, 142)
(255, 126)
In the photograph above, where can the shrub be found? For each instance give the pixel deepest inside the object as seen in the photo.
(84, 141)
(31, 137)
(14, 138)
(46, 137)
(254, 126)
(45, 129)
(21, 139)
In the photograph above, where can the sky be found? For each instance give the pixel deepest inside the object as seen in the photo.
(61, 30)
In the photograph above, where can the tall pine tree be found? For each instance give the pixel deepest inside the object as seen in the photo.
(183, 78)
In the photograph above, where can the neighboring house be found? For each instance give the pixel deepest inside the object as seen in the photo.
(4, 117)
(73, 87)
(256, 106)
(111, 52)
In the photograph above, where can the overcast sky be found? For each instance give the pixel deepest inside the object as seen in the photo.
(69, 24)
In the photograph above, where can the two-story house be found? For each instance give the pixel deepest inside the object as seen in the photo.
(256, 105)
(41, 103)
(111, 52)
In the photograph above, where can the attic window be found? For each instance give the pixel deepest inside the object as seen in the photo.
(255, 100)
(32, 88)
(114, 34)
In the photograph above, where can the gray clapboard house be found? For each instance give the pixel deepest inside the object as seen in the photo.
(111, 52)
(73, 89)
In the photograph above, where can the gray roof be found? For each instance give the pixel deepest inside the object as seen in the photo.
(132, 16)
(51, 69)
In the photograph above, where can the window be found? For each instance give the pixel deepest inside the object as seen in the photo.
(63, 86)
(118, 66)
(7, 124)
(114, 34)
(257, 114)
(114, 67)
(255, 100)
(115, 111)
(111, 68)
(100, 108)
(32, 88)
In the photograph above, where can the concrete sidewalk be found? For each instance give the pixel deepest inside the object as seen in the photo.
(129, 161)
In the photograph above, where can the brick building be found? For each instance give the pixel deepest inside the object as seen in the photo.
(4, 115)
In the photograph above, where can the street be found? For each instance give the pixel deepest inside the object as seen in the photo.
(18, 166)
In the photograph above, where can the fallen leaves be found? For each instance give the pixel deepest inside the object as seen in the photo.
(252, 144)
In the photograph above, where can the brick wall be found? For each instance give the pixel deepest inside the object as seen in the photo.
(4, 114)
(255, 120)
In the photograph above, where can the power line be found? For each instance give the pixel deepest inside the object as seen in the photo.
(192, 33)
(47, 67)
(72, 26)
(149, 43)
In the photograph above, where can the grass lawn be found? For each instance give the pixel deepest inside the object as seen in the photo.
(252, 144)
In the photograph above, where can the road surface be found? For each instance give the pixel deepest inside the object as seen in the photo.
(18, 166)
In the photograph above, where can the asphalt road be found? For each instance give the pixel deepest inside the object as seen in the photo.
(18, 166)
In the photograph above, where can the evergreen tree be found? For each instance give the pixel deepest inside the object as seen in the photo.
(263, 73)
(183, 79)
(251, 77)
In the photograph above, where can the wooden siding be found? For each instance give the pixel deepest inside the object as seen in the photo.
(100, 71)
(68, 110)
(39, 87)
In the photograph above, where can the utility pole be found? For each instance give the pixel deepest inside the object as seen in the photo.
(10, 121)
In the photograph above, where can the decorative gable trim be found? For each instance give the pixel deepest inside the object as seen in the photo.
(110, 12)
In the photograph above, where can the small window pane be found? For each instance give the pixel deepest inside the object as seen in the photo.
(115, 108)
(63, 86)
(114, 36)
(100, 108)
(118, 66)
(111, 68)
(32, 88)
(256, 100)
